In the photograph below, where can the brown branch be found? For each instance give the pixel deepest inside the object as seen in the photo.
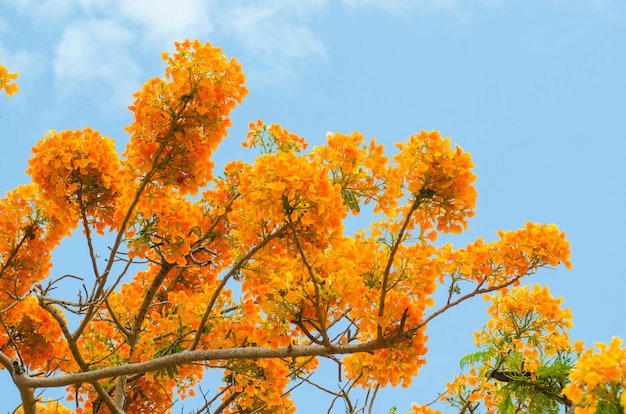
(26, 393)
(124, 330)
(11, 340)
(449, 305)
(145, 304)
(300, 324)
(134, 331)
(468, 406)
(187, 356)
(29, 404)
(207, 403)
(12, 255)
(369, 411)
(226, 402)
(6, 361)
(92, 254)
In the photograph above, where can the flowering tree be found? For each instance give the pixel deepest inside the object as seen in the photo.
(249, 273)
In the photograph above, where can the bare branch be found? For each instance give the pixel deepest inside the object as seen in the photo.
(92, 253)
(226, 402)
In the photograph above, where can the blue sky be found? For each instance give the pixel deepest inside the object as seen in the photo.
(535, 90)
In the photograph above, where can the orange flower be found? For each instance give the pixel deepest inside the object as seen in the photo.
(422, 409)
(260, 258)
(359, 170)
(7, 81)
(599, 377)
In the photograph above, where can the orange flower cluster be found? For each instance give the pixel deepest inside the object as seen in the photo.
(49, 407)
(422, 409)
(598, 380)
(180, 120)
(526, 316)
(358, 169)
(168, 328)
(7, 81)
(272, 139)
(516, 254)
(525, 340)
(284, 188)
(168, 220)
(278, 287)
(436, 177)
(260, 386)
(413, 278)
(37, 335)
(391, 366)
(26, 238)
(78, 175)
(542, 243)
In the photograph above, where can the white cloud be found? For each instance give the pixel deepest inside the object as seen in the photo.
(101, 41)
(275, 34)
(166, 20)
(94, 51)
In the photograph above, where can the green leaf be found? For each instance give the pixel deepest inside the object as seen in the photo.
(506, 405)
(350, 199)
(471, 359)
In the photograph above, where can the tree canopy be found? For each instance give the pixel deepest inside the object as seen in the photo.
(249, 273)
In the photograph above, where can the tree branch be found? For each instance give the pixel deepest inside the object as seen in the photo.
(92, 254)
(145, 304)
(29, 404)
(449, 305)
(187, 356)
